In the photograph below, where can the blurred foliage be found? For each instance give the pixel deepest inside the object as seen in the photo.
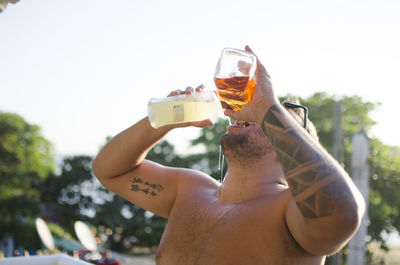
(73, 194)
(384, 200)
(25, 160)
(29, 186)
(58, 231)
(355, 117)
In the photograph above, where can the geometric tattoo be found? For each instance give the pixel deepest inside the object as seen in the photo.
(138, 184)
(314, 180)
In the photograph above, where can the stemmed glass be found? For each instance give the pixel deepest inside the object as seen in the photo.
(234, 78)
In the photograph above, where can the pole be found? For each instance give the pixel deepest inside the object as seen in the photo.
(337, 154)
(338, 138)
(360, 174)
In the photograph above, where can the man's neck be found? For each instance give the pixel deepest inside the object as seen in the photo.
(251, 180)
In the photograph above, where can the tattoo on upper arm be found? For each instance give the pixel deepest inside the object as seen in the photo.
(137, 184)
(315, 181)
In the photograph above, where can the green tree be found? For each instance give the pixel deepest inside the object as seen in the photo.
(25, 159)
(384, 200)
(73, 194)
(355, 117)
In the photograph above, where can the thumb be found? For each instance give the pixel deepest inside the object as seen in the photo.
(232, 114)
(203, 123)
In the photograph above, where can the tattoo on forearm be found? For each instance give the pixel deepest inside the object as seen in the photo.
(137, 184)
(315, 182)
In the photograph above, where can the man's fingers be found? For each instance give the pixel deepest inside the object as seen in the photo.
(232, 114)
(199, 124)
(189, 90)
(199, 88)
(175, 93)
(204, 123)
(243, 67)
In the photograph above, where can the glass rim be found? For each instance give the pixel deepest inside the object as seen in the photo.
(238, 52)
(250, 54)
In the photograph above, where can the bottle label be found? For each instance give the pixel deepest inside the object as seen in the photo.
(178, 113)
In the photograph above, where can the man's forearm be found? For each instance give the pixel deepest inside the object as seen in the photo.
(127, 150)
(315, 179)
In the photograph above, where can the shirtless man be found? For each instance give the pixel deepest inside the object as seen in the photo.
(284, 199)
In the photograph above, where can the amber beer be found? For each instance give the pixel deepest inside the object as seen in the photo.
(234, 92)
(234, 78)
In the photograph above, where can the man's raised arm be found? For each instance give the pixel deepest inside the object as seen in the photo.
(121, 167)
(127, 150)
(326, 208)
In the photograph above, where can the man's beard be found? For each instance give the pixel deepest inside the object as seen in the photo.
(243, 147)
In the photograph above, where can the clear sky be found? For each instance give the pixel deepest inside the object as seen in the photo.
(84, 70)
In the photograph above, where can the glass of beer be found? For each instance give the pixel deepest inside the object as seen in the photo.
(234, 78)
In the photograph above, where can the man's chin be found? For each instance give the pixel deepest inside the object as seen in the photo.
(239, 146)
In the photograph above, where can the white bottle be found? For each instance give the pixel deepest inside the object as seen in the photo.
(183, 108)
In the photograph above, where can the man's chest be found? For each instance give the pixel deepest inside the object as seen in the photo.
(213, 233)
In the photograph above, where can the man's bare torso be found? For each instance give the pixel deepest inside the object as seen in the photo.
(203, 230)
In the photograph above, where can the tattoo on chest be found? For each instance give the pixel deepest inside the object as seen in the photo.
(137, 184)
(314, 179)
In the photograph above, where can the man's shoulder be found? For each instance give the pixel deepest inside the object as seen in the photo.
(185, 175)
(193, 179)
